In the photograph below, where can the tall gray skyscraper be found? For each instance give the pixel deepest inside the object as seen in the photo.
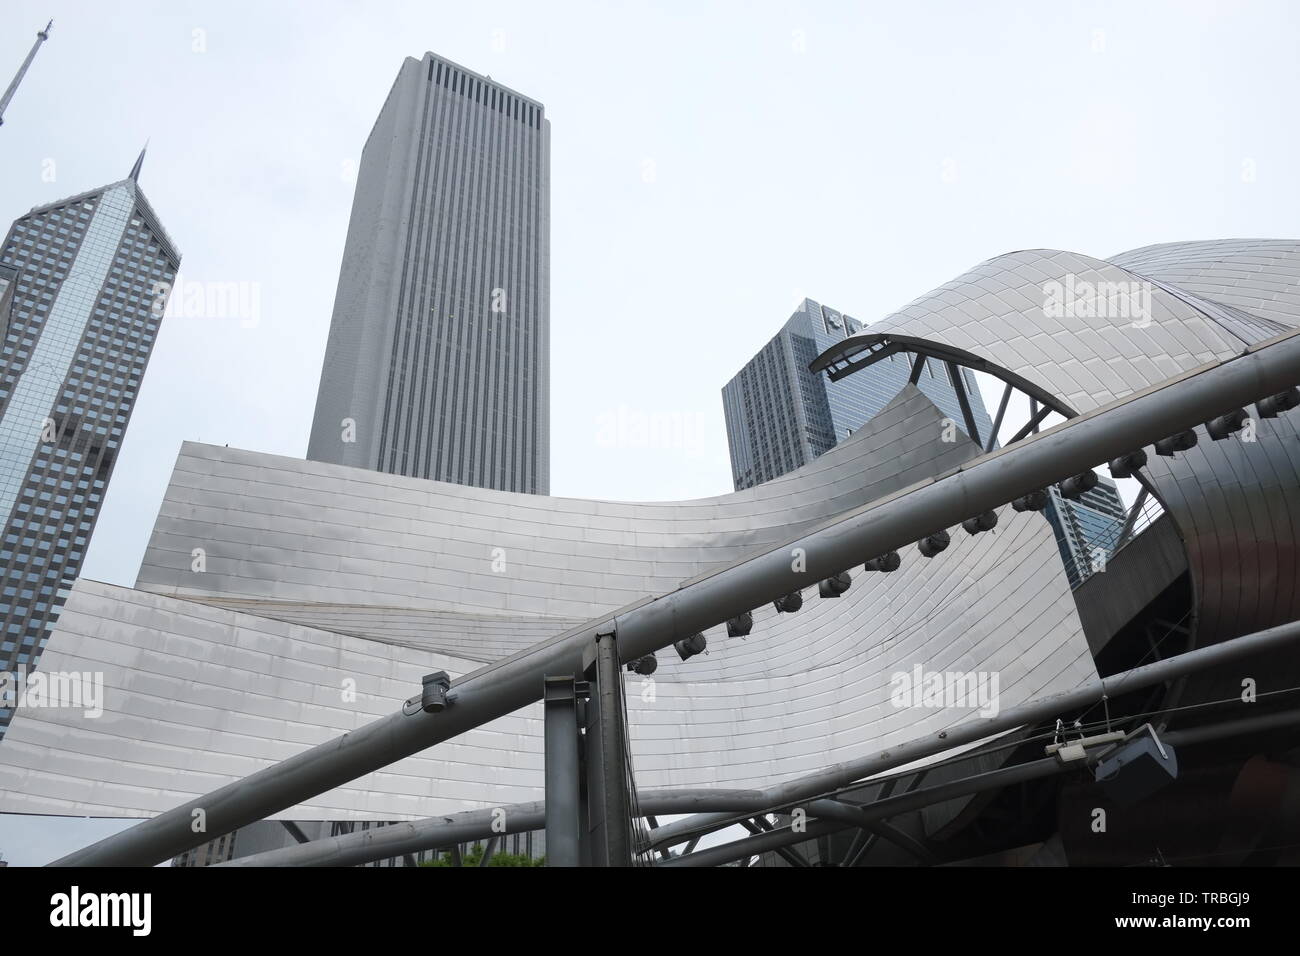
(438, 359)
(85, 280)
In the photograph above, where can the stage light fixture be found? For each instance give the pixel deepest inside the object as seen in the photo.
(1224, 425)
(740, 625)
(833, 587)
(1183, 441)
(645, 665)
(688, 647)
(1076, 486)
(885, 563)
(1274, 405)
(789, 603)
(1126, 465)
(982, 522)
(1034, 501)
(932, 544)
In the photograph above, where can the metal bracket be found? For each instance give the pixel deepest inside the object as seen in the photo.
(1070, 751)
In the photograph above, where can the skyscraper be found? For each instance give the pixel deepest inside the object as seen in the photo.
(438, 358)
(1087, 529)
(780, 416)
(87, 280)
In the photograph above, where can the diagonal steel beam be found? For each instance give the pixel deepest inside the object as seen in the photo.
(997, 422)
(963, 401)
(1133, 514)
(918, 365)
(1032, 425)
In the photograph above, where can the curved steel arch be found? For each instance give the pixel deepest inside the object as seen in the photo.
(842, 360)
(846, 358)
(838, 362)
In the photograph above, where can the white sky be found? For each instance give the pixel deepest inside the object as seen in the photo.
(857, 153)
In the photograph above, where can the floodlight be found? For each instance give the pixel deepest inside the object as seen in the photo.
(1224, 425)
(1034, 501)
(789, 603)
(645, 665)
(1274, 405)
(1125, 465)
(1183, 441)
(885, 563)
(740, 625)
(688, 647)
(1076, 486)
(932, 544)
(433, 695)
(981, 522)
(833, 587)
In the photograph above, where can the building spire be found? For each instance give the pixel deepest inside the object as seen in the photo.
(41, 37)
(139, 161)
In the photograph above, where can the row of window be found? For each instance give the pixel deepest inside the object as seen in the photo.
(485, 94)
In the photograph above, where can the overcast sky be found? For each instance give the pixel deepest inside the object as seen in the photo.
(712, 163)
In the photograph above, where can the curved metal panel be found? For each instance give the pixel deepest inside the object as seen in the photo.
(198, 695)
(1229, 500)
(1258, 276)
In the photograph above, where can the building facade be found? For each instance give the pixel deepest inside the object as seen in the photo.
(780, 416)
(438, 359)
(1087, 529)
(85, 281)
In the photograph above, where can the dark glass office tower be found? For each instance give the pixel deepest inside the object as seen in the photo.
(85, 280)
(780, 416)
(438, 358)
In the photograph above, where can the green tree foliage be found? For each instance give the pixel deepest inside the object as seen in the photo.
(475, 855)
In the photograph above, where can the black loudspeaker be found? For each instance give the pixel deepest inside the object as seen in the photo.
(1137, 768)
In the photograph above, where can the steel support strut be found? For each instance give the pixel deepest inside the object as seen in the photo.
(609, 816)
(563, 818)
(654, 623)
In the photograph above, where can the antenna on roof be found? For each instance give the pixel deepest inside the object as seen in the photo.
(41, 37)
(135, 170)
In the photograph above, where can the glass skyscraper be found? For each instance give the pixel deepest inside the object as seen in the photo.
(780, 416)
(85, 280)
(1087, 529)
(438, 358)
